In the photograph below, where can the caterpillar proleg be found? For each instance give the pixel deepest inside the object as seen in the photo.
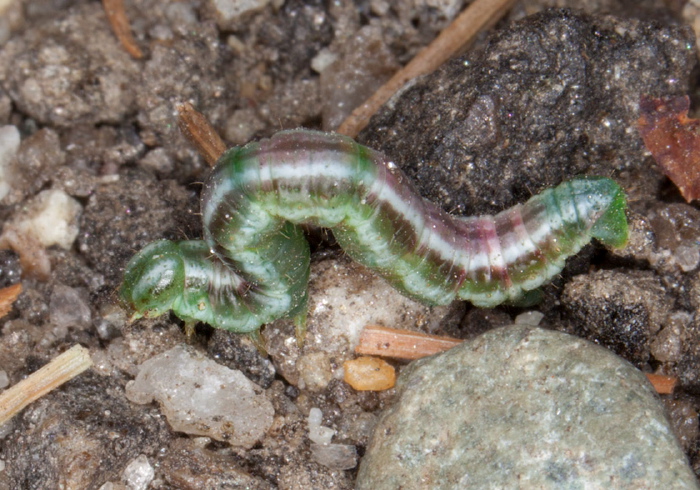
(252, 266)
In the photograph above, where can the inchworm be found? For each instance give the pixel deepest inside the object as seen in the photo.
(252, 266)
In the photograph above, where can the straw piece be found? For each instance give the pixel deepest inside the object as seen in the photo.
(116, 15)
(401, 344)
(61, 369)
(196, 128)
(479, 15)
(8, 296)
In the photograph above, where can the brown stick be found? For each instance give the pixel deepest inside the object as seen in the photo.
(8, 296)
(116, 15)
(61, 369)
(479, 15)
(200, 133)
(408, 345)
(401, 344)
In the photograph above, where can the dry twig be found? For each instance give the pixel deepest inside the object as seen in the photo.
(479, 15)
(61, 369)
(8, 296)
(405, 344)
(116, 15)
(401, 344)
(200, 133)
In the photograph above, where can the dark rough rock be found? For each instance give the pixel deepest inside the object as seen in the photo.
(550, 97)
(523, 406)
(621, 311)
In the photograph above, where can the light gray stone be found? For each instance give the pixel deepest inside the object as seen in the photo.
(524, 407)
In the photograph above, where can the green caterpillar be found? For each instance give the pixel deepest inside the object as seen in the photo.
(253, 265)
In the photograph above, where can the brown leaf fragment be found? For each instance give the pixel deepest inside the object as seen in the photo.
(673, 140)
(8, 296)
(664, 385)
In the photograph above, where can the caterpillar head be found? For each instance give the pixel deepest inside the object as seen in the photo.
(610, 227)
(154, 279)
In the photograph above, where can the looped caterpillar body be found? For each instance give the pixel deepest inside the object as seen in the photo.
(252, 266)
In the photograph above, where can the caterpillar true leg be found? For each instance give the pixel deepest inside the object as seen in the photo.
(252, 266)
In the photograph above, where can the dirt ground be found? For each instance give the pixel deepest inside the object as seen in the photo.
(93, 167)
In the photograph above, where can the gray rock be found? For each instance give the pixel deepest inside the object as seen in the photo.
(523, 407)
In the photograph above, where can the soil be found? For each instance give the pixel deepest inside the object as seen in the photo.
(543, 96)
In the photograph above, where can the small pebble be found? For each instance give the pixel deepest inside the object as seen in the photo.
(9, 145)
(138, 474)
(114, 486)
(687, 257)
(314, 371)
(69, 307)
(369, 374)
(229, 11)
(667, 346)
(242, 125)
(529, 318)
(200, 397)
(50, 218)
(158, 160)
(335, 456)
(318, 433)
